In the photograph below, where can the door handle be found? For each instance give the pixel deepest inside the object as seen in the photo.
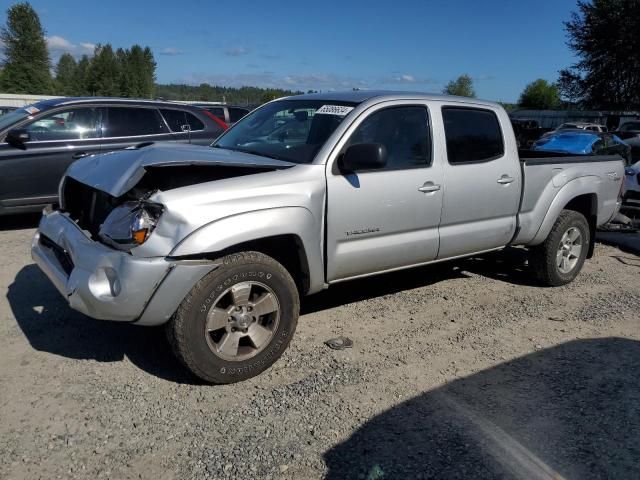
(429, 187)
(505, 180)
(78, 155)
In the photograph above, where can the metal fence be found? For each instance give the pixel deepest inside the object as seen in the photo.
(20, 100)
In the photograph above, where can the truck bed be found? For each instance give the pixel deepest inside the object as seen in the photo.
(546, 174)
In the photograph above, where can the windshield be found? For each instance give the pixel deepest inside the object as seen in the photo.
(291, 130)
(12, 117)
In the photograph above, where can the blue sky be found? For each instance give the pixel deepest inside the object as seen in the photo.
(327, 45)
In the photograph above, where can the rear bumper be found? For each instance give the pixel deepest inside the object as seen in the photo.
(108, 284)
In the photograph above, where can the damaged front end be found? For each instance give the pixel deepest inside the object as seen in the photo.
(95, 248)
(115, 208)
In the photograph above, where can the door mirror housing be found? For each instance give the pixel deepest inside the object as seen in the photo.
(364, 156)
(17, 137)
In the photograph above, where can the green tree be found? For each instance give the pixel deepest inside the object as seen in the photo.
(103, 78)
(66, 73)
(540, 95)
(603, 34)
(149, 74)
(26, 66)
(81, 81)
(461, 87)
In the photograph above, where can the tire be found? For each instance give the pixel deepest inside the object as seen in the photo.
(249, 305)
(547, 259)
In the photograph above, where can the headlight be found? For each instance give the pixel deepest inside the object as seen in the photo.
(130, 224)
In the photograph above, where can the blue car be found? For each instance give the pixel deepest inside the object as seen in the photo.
(580, 142)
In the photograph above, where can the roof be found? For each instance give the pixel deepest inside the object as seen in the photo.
(359, 96)
(57, 102)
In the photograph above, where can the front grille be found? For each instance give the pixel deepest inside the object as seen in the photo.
(87, 206)
(61, 254)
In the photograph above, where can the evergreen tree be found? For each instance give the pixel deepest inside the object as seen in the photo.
(26, 66)
(104, 72)
(81, 80)
(603, 35)
(149, 77)
(66, 73)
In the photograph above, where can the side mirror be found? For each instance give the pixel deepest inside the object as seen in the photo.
(17, 137)
(364, 156)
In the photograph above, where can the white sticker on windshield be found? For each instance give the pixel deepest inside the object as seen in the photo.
(31, 110)
(339, 110)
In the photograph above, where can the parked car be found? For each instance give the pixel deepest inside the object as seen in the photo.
(39, 142)
(6, 109)
(229, 114)
(219, 243)
(527, 131)
(631, 195)
(591, 127)
(581, 142)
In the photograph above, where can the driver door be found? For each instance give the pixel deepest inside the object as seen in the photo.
(387, 218)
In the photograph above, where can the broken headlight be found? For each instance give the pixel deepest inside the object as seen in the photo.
(130, 224)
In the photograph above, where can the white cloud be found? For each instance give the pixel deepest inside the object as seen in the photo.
(318, 81)
(236, 51)
(59, 45)
(407, 78)
(171, 51)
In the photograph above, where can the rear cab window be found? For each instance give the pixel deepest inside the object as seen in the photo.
(473, 135)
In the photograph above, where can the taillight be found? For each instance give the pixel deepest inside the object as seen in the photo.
(216, 119)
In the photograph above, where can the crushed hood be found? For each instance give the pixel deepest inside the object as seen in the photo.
(118, 172)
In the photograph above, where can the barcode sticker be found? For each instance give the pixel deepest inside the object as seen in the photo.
(31, 110)
(339, 110)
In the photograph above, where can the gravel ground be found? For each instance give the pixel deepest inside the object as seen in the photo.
(464, 370)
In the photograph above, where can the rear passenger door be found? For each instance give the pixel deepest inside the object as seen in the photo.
(482, 181)
(124, 126)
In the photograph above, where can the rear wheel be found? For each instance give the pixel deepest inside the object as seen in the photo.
(560, 258)
(237, 321)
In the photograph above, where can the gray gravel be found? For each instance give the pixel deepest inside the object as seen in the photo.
(464, 370)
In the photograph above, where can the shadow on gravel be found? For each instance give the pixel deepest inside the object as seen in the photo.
(19, 222)
(379, 286)
(51, 326)
(508, 265)
(571, 411)
(627, 242)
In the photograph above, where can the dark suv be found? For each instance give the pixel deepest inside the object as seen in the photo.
(39, 142)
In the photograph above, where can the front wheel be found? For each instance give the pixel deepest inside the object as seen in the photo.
(237, 321)
(560, 258)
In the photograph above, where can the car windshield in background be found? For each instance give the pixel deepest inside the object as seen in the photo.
(10, 118)
(291, 130)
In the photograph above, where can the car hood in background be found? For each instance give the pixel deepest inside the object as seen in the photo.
(118, 172)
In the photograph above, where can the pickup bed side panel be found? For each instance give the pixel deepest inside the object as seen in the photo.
(549, 187)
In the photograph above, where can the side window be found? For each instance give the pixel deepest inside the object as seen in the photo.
(236, 114)
(218, 112)
(180, 121)
(73, 124)
(405, 133)
(132, 121)
(473, 135)
(194, 122)
(175, 119)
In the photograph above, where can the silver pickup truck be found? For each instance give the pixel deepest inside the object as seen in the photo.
(220, 242)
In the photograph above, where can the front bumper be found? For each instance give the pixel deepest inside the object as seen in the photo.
(109, 284)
